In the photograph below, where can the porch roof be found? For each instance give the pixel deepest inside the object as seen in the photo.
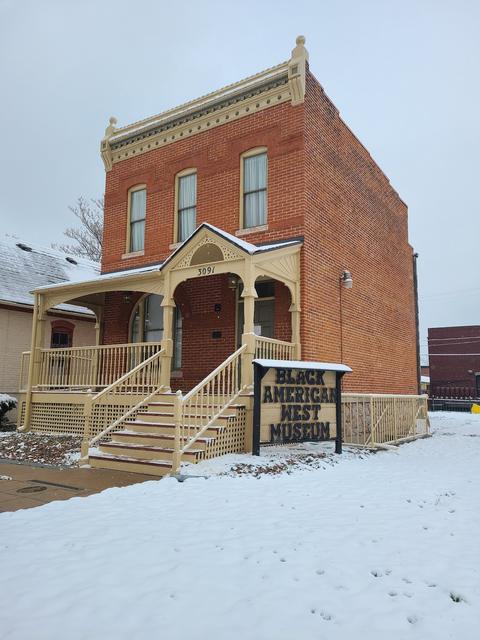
(247, 247)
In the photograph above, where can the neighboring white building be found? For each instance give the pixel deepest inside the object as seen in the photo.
(24, 267)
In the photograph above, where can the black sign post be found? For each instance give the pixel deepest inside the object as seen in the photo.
(301, 395)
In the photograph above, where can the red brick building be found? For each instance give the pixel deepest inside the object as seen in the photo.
(454, 357)
(323, 187)
(235, 227)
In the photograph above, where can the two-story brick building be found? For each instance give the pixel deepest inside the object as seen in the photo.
(234, 227)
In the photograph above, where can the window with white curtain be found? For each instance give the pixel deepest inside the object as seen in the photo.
(187, 205)
(255, 190)
(138, 208)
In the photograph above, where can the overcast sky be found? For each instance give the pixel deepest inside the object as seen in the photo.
(404, 75)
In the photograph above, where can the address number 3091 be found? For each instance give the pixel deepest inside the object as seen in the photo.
(205, 271)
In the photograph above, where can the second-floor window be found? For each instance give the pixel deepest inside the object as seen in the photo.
(254, 190)
(187, 205)
(137, 212)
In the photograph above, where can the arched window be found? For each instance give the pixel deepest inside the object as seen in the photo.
(62, 334)
(147, 325)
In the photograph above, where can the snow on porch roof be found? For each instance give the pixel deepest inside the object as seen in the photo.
(248, 247)
(299, 364)
(25, 266)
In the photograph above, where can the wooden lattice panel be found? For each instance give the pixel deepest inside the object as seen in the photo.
(52, 413)
(57, 417)
(231, 439)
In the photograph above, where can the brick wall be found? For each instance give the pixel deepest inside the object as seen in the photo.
(216, 156)
(323, 185)
(454, 375)
(355, 221)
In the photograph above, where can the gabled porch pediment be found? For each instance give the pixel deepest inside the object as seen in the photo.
(208, 251)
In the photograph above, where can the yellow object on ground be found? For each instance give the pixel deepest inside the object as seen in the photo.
(475, 408)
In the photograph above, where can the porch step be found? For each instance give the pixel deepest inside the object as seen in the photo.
(164, 417)
(144, 444)
(153, 439)
(133, 465)
(145, 452)
(143, 426)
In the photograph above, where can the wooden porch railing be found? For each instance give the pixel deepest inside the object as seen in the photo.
(375, 419)
(195, 412)
(143, 379)
(272, 349)
(23, 377)
(86, 367)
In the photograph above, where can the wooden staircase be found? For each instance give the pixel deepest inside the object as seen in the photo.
(145, 444)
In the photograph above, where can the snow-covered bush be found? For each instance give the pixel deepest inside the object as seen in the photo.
(6, 403)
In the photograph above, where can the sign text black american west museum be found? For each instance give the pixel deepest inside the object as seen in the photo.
(297, 402)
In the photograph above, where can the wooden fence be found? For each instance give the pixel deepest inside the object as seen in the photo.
(375, 419)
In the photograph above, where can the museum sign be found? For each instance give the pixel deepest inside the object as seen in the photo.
(297, 401)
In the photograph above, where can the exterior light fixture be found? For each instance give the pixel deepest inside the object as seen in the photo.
(217, 308)
(127, 298)
(346, 279)
(232, 281)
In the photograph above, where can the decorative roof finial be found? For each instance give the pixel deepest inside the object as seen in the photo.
(300, 51)
(297, 71)
(109, 131)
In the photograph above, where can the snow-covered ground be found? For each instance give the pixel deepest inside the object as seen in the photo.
(375, 546)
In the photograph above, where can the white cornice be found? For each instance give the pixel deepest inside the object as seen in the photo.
(282, 83)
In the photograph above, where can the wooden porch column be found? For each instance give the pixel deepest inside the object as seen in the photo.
(168, 304)
(38, 333)
(248, 337)
(98, 338)
(295, 316)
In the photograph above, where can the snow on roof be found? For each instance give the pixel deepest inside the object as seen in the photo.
(25, 266)
(299, 364)
(108, 276)
(247, 246)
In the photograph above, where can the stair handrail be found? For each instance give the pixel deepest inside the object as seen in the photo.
(92, 400)
(122, 379)
(201, 404)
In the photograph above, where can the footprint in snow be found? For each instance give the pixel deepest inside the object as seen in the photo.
(456, 597)
(392, 594)
(376, 574)
(407, 580)
(412, 619)
(320, 572)
(407, 594)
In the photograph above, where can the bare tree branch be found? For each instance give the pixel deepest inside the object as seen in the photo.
(88, 237)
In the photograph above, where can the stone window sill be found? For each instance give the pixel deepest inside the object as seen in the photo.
(133, 254)
(246, 232)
